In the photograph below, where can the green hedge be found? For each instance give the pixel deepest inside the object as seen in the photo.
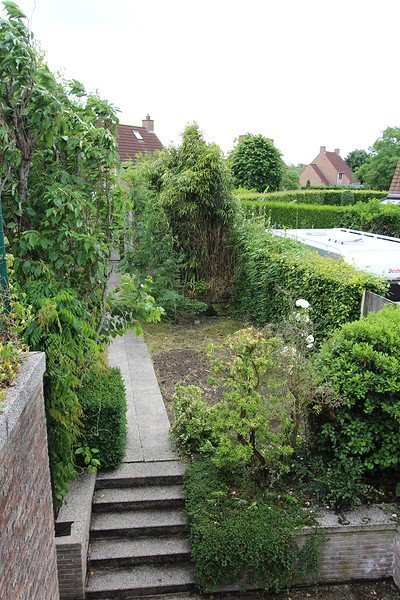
(361, 362)
(274, 272)
(240, 533)
(333, 197)
(102, 397)
(373, 217)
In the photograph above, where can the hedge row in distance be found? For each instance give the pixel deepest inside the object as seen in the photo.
(274, 272)
(102, 397)
(328, 196)
(373, 217)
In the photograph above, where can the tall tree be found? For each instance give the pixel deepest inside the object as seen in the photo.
(377, 171)
(356, 159)
(257, 164)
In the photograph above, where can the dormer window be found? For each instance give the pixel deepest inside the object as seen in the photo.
(137, 135)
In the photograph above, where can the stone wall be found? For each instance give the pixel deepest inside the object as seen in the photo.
(360, 544)
(28, 566)
(72, 549)
(396, 560)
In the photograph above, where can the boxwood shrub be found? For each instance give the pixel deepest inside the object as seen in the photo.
(102, 397)
(333, 197)
(361, 361)
(274, 272)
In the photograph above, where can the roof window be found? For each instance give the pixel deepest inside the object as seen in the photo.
(137, 135)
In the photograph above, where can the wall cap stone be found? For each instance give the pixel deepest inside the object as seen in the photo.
(29, 379)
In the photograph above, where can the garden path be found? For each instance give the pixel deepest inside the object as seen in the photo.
(148, 424)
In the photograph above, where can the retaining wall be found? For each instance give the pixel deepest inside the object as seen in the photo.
(28, 566)
(72, 550)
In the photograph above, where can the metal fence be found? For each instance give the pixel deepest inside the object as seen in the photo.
(372, 302)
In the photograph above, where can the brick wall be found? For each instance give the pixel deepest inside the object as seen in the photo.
(72, 549)
(396, 560)
(28, 567)
(363, 548)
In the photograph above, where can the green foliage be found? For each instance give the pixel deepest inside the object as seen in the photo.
(347, 197)
(239, 534)
(102, 397)
(271, 268)
(129, 305)
(325, 196)
(58, 154)
(356, 158)
(377, 171)
(193, 429)
(361, 361)
(186, 212)
(290, 178)
(371, 216)
(15, 317)
(257, 164)
(64, 328)
(87, 454)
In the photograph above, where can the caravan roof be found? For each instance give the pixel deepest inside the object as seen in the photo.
(378, 254)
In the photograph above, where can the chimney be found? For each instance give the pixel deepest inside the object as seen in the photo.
(148, 123)
(322, 149)
(337, 150)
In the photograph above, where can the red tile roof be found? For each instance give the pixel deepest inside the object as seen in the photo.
(395, 185)
(129, 146)
(341, 167)
(320, 174)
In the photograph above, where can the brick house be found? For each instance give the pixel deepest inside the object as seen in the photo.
(394, 190)
(134, 139)
(328, 168)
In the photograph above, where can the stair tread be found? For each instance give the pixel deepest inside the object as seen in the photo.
(136, 519)
(168, 468)
(142, 547)
(140, 578)
(138, 494)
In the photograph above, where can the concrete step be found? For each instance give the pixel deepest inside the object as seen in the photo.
(138, 523)
(169, 472)
(143, 497)
(128, 552)
(139, 581)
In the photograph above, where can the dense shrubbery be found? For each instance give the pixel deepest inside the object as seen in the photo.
(57, 165)
(102, 397)
(184, 220)
(372, 216)
(324, 196)
(362, 363)
(274, 271)
(239, 534)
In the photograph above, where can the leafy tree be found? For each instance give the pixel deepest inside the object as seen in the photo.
(257, 164)
(356, 159)
(377, 171)
(290, 178)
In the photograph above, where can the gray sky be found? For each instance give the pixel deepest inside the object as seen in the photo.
(306, 73)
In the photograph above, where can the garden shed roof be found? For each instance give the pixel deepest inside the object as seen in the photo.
(395, 185)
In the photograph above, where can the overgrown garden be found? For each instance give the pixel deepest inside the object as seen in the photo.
(306, 408)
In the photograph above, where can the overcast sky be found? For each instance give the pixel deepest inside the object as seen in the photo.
(306, 73)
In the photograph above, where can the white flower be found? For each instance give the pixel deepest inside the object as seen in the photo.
(310, 339)
(301, 303)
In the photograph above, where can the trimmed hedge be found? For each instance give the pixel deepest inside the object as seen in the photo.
(328, 196)
(102, 397)
(373, 217)
(361, 362)
(274, 272)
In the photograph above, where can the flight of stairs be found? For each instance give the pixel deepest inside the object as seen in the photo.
(138, 534)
